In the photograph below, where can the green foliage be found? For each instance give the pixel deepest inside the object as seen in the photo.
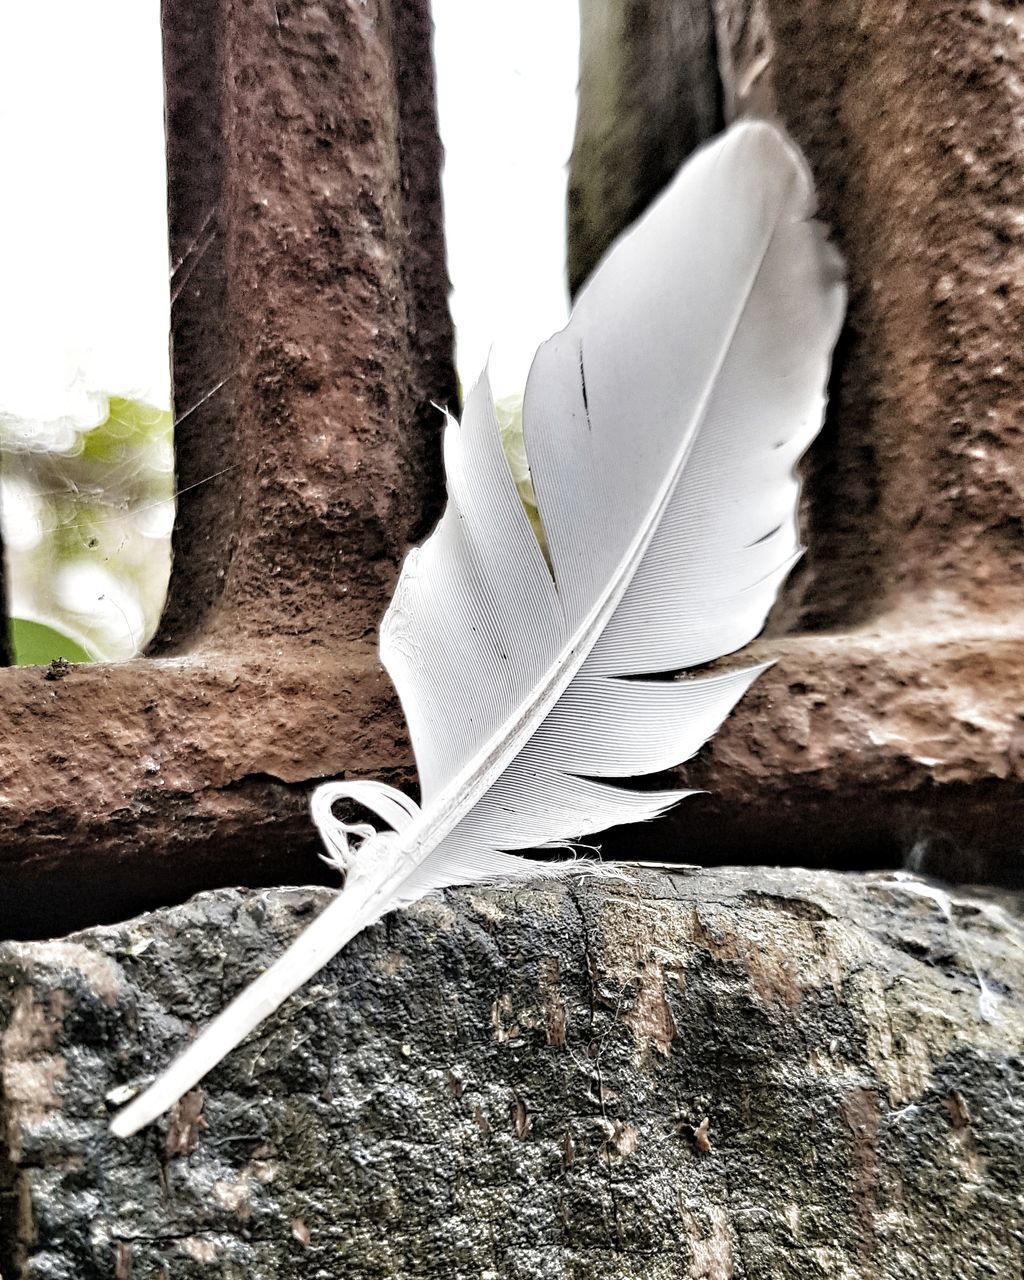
(130, 425)
(87, 517)
(36, 644)
(509, 412)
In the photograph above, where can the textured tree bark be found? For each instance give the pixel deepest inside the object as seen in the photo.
(743, 1073)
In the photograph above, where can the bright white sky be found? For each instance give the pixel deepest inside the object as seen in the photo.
(83, 230)
(506, 72)
(83, 258)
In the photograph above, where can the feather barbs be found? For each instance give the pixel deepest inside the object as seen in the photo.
(661, 428)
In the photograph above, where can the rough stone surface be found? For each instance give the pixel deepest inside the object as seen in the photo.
(749, 1073)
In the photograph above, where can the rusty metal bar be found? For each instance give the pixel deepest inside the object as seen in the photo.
(649, 94)
(310, 335)
(299, 152)
(917, 493)
(205, 359)
(126, 786)
(5, 639)
(892, 727)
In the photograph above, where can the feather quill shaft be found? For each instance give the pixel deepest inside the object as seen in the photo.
(661, 428)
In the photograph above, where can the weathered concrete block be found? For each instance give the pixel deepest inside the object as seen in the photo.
(747, 1073)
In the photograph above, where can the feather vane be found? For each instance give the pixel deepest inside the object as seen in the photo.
(662, 427)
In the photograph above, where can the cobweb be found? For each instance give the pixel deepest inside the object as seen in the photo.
(86, 461)
(87, 504)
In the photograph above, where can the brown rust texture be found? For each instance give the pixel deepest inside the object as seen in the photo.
(5, 640)
(905, 111)
(894, 721)
(306, 217)
(179, 774)
(205, 358)
(311, 342)
(172, 775)
(314, 167)
(878, 747)
(719, 1073)
(891, 728)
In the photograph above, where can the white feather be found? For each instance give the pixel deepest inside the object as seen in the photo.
(661, 426)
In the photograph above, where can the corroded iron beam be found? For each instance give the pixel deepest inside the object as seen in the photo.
(890, 727)
(895, 719)
(311, 340)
